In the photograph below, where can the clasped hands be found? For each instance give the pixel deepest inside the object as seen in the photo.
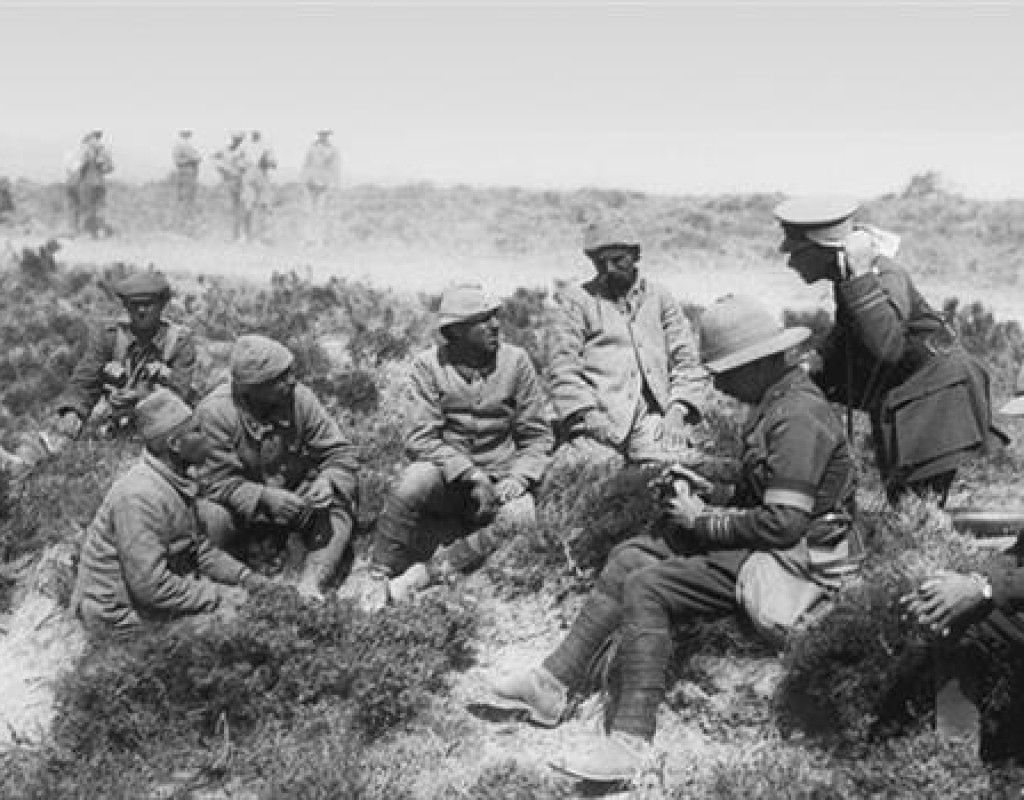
(488, 495)
(284, 506)
(945, 600)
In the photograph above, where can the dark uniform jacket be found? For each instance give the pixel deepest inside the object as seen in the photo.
(172, 347)
(302, 444)
(795, 494)
(494, 422)
(890, 354)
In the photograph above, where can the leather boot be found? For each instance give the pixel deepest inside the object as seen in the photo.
(605, 759)
(536, 691)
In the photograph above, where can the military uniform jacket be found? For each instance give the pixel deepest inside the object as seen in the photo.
(172, 345)
(186, 156)
(144, 550)
(321, 168)
(890, 354)
(248, 454)
(494, 422)
(603, 351)
(795, 494)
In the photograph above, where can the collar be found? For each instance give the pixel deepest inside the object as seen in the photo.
(183, 485)
(790, 378)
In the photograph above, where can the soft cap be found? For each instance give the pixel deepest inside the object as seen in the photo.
(258, 359)
(159, 413)
(464, 301)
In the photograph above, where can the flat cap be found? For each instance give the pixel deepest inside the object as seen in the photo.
(159, 413)
(148, 283)
(257, 359)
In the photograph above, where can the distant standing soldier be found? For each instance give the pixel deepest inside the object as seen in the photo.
(321, 174)
(233, 164)
(889, 353)
(186, 158)
(263, 161)
(86, 170)
(124, 360)
(146, 557)
(6, 199)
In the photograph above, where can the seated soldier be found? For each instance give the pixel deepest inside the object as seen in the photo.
(280, 471)
(479, 444)
(145, 557)
(775, 550)
(623, 372)
(124, 360)
(978, 619)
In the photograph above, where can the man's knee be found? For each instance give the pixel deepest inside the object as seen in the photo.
(518, 513)
(216, 522)
(416, 484)
(625, 559)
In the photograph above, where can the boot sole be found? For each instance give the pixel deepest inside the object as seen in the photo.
(507, 704)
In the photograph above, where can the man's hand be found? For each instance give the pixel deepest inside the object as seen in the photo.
(68, 424)
(674, 428)
(508, 489)
(319, 493)
(231, 597)
(599, 427)
(946, 600)
(253, 581)
(124, 399)
(696, 483)
(282, 506)
(683, 509)
(484, 496)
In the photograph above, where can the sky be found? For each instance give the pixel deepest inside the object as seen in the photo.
(851, 98)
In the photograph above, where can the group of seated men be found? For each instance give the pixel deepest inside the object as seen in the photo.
(259, 462)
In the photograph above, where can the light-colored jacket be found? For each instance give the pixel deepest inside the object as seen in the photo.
(602, 350)
(321, 169)
(495, 423)
(143, 552)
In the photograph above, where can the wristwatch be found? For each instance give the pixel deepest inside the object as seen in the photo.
(984, 585)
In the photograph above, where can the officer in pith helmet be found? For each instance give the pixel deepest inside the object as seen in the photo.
(623, 372)
(479, 443)
(889, 353)
(124, 360)
(775, 551)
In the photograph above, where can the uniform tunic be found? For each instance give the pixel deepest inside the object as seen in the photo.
(617, 355)
(890, 355)
(791, 504)
(144, 552)
(171, 346)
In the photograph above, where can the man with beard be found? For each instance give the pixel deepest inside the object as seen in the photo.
(145, 556)
(124, 360)
(479, 444)
(281, 472)
(623, 373)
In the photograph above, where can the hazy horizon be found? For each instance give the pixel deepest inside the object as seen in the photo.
(851, 98)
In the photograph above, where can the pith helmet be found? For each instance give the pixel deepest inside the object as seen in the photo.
(1015, 407)
(159, 413)
(609, 233)
(464, 301)
(143, 285)
(826, 221)
(737, 330)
